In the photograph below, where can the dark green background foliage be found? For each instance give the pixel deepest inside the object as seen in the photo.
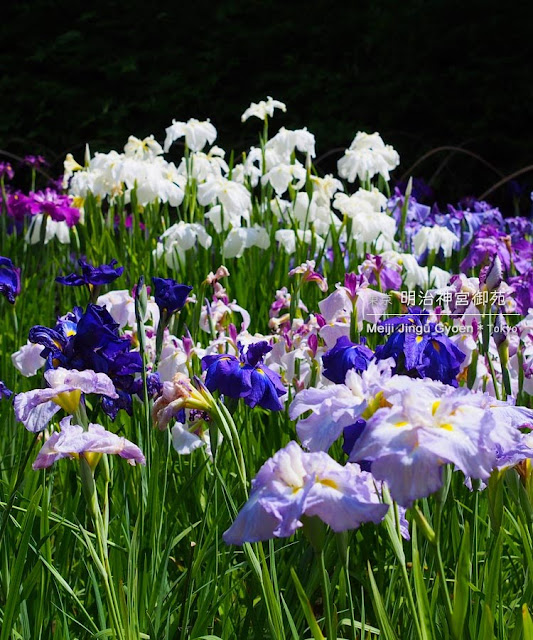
(424, 74)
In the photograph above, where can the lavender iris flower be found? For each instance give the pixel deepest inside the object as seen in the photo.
(72, 441)
(9, 279)
(522, 451)
(36, 408)
(92, 276)
(419, 347)
(427, 426)
(344, 356)
(245, 377)
(293, 484)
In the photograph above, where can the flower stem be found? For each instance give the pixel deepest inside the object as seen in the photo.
(405, 575)
(440, 564)
(331, 631)
(89, 490)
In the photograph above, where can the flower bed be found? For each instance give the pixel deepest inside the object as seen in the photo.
(322, 388)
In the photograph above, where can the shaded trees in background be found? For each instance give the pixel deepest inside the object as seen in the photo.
(424, 74)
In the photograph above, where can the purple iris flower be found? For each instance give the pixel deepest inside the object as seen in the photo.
(419, 347)
(493, 214)
(518, 227)
(379, 273)
(420, 189)
(72, 441)
(416, 214)
(344, 356)
(35, 162)
(488, 242)
(293, 484)
(522, 287)
(18, 206)
(245, 377)
(129, 387)
(522, 254)
(4, 391)
(93, 276)
(169, 295)
(90, 340)
(9, 279)
(6, 170)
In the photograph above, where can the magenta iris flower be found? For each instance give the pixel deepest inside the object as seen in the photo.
(245, 377)
(9, 279)
(50, 202)
(94, 276)
(294, 483)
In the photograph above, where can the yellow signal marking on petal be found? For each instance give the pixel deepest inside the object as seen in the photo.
(436, 345)
(93, 458)
(296, 489)
(418, 339)
(403, 423)
(434, 407)
(447, 426)
(377, 402)
(68, 400)
(329, 483)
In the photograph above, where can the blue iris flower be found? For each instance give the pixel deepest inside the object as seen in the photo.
(419, 347)
(92, 276)
(344, 356)
(9, 279)
(169, 295)
(91, 340)
(245, 377)
(4, 391)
